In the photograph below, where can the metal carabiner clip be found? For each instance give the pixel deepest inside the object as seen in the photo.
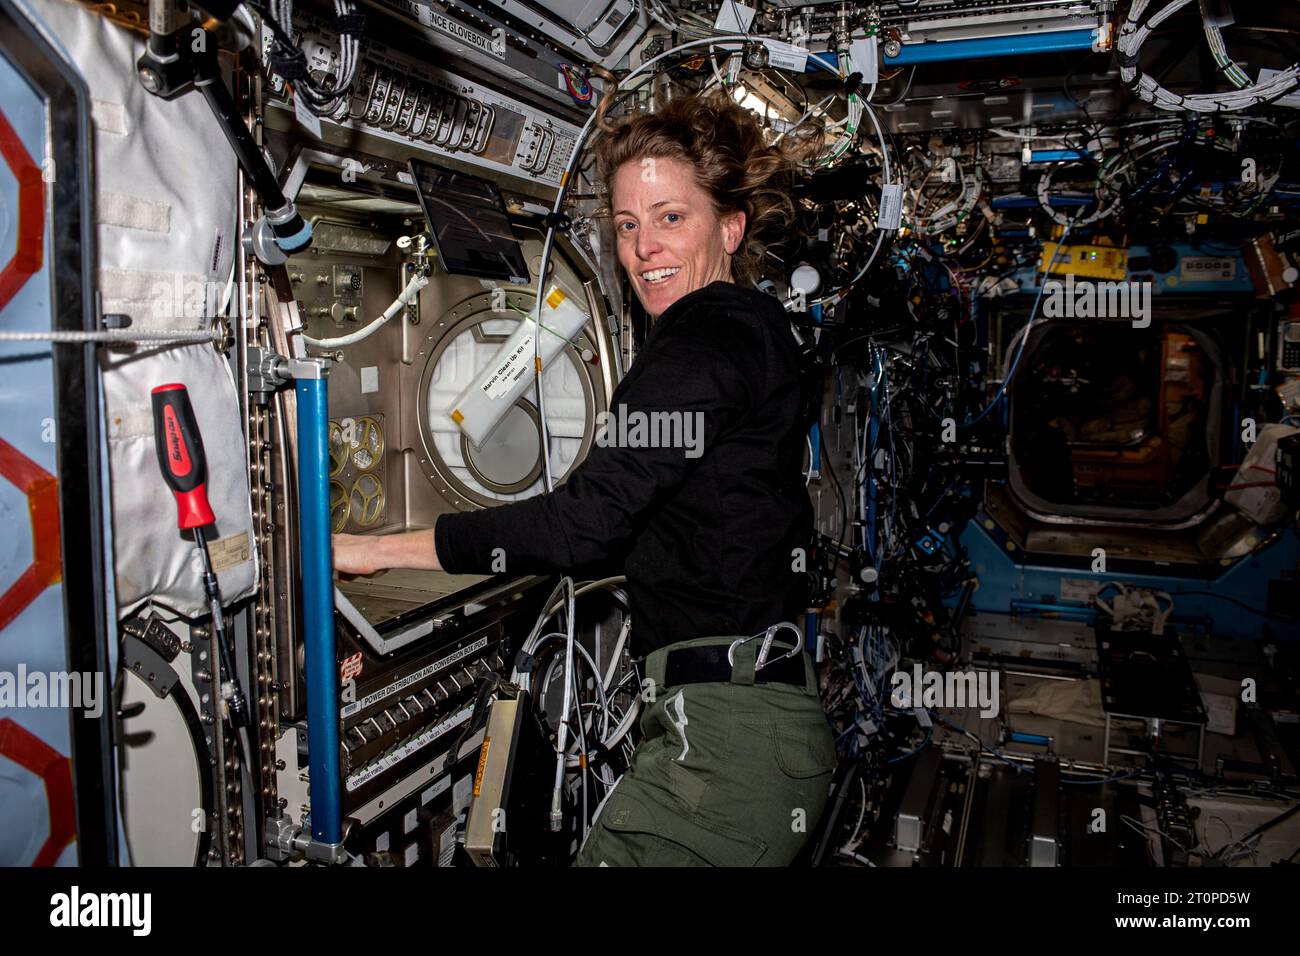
(768, 637)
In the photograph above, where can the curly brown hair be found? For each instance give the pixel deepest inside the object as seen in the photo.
(733, 163)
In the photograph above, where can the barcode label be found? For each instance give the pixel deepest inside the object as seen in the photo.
(862, 54)
(308, 120)
(891, 206)
(786, 56)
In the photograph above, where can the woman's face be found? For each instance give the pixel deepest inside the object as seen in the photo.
(670, 239)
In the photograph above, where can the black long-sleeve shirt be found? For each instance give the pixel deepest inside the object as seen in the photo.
(706, 534)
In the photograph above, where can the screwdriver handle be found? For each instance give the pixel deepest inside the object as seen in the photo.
(180, 455)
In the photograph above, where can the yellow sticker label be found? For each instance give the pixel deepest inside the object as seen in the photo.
(482, 764)
(456, 416)
(230, 551)
(555, 298)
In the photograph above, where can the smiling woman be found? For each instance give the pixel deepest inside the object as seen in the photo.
(711, 532)
(695, 192)
(670, 241)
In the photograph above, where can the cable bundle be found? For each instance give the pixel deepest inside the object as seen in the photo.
(1135, 31)
(926, 222)
(586, 729)
(290, 62)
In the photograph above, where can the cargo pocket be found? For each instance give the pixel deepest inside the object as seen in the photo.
(804, 748)
(659, 835)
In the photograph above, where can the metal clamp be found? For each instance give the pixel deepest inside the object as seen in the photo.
(768, 637)
(286, 840)
(269, 371)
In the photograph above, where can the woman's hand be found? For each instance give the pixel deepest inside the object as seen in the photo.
(357, 554)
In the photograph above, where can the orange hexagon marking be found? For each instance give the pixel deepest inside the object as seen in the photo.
(28, 255)
(42, 491)
(55, 770)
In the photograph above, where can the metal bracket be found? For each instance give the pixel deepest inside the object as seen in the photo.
(286, 841)
(259, 241)
(149, 665)
(269, 371)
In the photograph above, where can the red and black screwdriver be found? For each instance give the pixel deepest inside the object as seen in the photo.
(180, 455)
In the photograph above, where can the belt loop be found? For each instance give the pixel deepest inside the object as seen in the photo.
(656, 668)
(742, 671)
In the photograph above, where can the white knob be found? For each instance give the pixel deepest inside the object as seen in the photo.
(805, 279)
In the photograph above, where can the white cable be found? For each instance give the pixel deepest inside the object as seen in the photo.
(1214, 37)
(608, 679)
(409, 295)
(660, 15)
(586, 655)
(1102, 210)
(948, 215)
(1013, 134)
(856, 856)
(851, 844)
(620, 730)
(333, 103)
(557, 815)
(524, 678)
(886, 180)
(716, 72)
(1133, 33)
(566, 758)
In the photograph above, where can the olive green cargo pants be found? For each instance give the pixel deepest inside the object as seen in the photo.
(728, 774)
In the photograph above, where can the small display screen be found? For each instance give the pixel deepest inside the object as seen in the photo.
(468, 220)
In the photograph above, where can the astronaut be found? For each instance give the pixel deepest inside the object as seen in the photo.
(737, 756)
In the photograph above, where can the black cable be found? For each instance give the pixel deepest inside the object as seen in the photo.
(1242, 604)
(903, 95)
(839, 490)
(290, 62)
(1266, 825)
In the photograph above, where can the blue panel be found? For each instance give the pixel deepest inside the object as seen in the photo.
(1196, 280)
(1056, 155)
(988, 47)
(1007, 584)
(1060, 200)
(35, 638)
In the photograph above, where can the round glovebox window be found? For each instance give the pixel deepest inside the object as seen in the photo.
(512, 458)
(508, 465)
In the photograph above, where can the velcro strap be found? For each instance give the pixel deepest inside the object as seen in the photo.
(708, 664)
(350, 23)
(291, 65)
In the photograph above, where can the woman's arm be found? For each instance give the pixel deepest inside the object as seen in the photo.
(368, 553)
(704, 367)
